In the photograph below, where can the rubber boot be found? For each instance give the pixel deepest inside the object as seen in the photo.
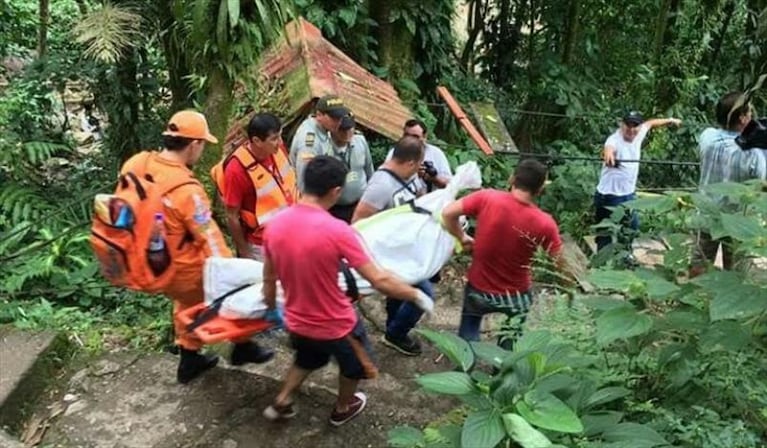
(193, 364)
(246, 352)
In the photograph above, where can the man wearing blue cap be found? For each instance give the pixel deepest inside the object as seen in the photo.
(618, 179)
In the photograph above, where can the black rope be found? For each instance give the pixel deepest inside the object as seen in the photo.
(549, 156)
(595, 159)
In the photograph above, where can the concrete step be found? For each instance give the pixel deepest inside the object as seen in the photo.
(28, 363)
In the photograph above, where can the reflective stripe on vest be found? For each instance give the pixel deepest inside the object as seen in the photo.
(271, 195)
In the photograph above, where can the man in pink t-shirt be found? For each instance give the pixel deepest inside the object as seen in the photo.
(304, 247)
(510, 228)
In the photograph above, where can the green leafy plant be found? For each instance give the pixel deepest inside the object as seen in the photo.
(544, 394)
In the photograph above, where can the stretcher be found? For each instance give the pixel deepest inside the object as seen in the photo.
(218, 329)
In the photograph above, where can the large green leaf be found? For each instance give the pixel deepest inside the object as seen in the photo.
(717, 282)
(686, 320)
(724, 335)
(455, 348)
(450, 383)
(641, 435)
(606, 395)
(482, 429)
(743, 228)
(521, 432)
(405, 437)
(743, 302)
(602, 303)
(657, 287)
(597, 422)
(445, 436)
(491, 353)
(613, 280)
(544, 410)
(556, 382)
(621, 323)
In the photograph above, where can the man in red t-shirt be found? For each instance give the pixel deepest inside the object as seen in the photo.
(239, 192)
(320, 318)
(510, 228)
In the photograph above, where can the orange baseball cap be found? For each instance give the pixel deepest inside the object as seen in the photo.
(189, 124)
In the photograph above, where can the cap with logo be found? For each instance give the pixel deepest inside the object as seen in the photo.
(633, 118)
(189, 124)
(333, 106)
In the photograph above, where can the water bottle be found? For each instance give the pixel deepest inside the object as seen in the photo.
(157, 254)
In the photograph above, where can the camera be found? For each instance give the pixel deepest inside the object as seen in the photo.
(754, 135)
(428, 168)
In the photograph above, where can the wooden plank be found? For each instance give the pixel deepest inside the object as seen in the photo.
(460, 115)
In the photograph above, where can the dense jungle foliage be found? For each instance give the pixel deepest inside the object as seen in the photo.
(644, 359)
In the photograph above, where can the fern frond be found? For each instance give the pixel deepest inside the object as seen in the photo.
(19, 203)
(108, 32)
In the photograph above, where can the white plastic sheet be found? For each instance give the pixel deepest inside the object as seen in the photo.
(412, 245)
(222, 275)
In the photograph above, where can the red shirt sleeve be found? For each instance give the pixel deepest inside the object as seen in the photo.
(352, 247)
(551, 240)
(473, 203)
(236, 185)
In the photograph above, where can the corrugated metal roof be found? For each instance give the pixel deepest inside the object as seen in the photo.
(310, 67)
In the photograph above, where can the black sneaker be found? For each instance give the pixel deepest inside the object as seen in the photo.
(406, 346)
(193, 364)
(279, 412)
(354, 409)
(250, 352)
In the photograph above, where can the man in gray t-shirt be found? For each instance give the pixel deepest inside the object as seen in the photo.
(391, 186)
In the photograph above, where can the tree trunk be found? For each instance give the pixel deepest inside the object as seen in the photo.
(664, 23)
(118, 94)
(176, 58)
(718, 37)
(395, 42)
(42, 38)
(218, 110)
(572, 22)
(475, 24)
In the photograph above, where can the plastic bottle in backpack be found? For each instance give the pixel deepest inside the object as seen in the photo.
(157, 255)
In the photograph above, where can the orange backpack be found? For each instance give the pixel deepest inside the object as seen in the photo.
(128, 234)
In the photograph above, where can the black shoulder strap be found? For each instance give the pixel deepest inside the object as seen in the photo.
(405, 185)
(212, 310)
(352, 291)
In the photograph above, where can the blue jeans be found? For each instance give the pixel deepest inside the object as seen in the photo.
(477, 303)
(629, 223)
(401, 315)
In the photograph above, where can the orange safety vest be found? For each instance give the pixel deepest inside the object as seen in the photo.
(274, 191)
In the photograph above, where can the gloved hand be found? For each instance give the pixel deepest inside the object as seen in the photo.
(275, 316)
(424, 302)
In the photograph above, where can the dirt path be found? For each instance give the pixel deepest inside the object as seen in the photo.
(131, 400)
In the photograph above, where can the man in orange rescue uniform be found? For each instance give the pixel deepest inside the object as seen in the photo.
(256, 182)
(192, 231)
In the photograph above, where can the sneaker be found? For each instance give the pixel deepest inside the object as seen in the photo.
(407, 345)
(246, 352)
(279, 412)
(355, 407)
(193, 364)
